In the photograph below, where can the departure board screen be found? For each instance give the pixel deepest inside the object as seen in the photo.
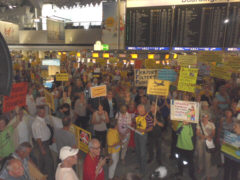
(233, 26)
(149, 26)
(200, 25)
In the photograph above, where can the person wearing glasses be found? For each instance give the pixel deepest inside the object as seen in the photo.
(93, 164)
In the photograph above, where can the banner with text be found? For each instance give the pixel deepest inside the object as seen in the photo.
(187, 79)
(16, 98)
(62, 77)
(184, 111)
(167, 74)
(141, 76)
(221, 72)
(98, 91)
(158, 87)
(186, 60)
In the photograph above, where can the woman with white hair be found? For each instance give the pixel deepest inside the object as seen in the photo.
(205, 133)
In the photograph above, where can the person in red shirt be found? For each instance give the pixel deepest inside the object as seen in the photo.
(93, 164)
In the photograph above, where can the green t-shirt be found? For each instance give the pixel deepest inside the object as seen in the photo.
(6, 142)
(184, 140)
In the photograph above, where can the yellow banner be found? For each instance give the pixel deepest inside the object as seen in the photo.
(83, 137)
(233, 62)
(101, 61)
(124, 74)
(186, 60)
(210, 56)
(62, 77)
(158, 87)
(187, 79)
(49, 99)
(151, 64)
(221, 72)
(98, 91)
(44, 73)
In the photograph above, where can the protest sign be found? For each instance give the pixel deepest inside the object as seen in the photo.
(233, 62)
(101, 61)
(158, 87)
(138, 64)
(186, 60)
(232, 138)
(221, 72)
(184, 111)
(16, 98)
(167, 74)
(187, 79)
(230, 150)
(62, 77)
(98, 91)
(83, 138)
(49, 99)
(141, 76)
(210, 56)
(124, 74)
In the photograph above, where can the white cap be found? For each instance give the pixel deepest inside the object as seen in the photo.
(66, 152)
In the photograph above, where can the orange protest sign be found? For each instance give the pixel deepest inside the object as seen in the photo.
(16, 98)
(98, 91)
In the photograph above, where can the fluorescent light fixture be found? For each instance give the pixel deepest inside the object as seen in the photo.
(226, 21)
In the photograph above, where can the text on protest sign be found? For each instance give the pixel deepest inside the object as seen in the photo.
(62, 77)
(16, 98)
(143, 75)
(221, 72)
(184, 111)
(167, 74)
(98, 91)
(158, 87)
(187, 79)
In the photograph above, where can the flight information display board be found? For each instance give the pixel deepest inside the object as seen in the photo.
(149, 26)
(233, 28)
(200, 25)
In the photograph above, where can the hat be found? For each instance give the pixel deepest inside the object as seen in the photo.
(66, 152)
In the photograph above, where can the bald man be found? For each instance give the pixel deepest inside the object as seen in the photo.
(15, 170)
(93, 164)
(143, 124)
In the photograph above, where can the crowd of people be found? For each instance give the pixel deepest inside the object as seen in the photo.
(36, 136)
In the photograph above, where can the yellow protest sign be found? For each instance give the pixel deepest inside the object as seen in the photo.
(49, 99)
(83, 137)
(233, 62)
(120, 64)
(113, 60)
(158, 87)
(62, 77)
(98, 91)
(210, 56)
(187, 79)
(186, 60)
(221, 72)
(151, 64)
(124, 74)
(44, 73)
(101, 61)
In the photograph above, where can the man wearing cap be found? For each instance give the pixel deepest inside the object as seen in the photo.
(68, 157)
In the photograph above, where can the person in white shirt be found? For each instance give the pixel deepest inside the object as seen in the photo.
(30, 102)
(42, 134)
(69, 158)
